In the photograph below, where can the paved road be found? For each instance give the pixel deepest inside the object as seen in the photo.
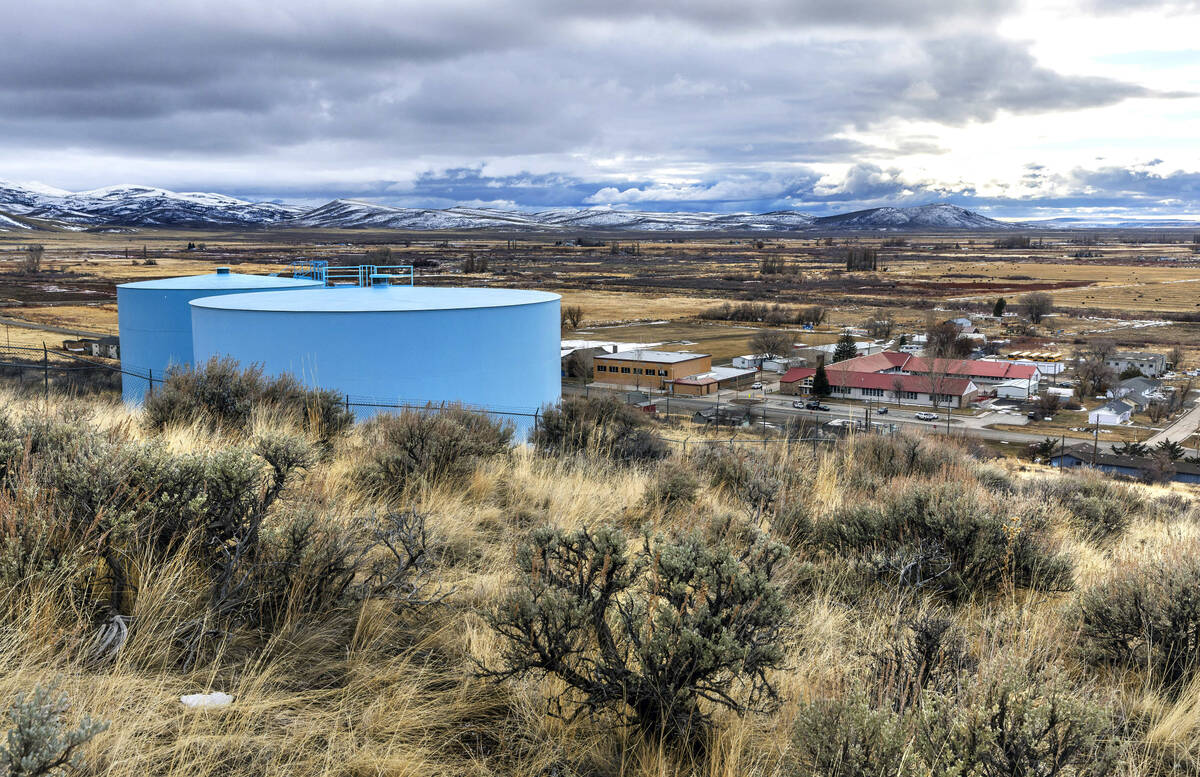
(1179, 431)
(780, 410)
(21, 323)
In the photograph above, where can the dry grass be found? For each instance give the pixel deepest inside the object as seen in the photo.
(367, 691)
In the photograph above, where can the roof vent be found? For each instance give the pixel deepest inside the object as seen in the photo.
(222, 271)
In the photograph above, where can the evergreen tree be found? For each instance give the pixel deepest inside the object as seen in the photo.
(821, 382)
(998, 308)
(846, 349)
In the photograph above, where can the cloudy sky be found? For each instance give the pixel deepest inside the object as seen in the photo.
(1035, 109)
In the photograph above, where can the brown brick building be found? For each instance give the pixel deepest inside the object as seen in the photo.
(648, 369)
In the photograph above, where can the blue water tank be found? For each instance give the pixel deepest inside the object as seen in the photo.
(156, 323)
(381, 346)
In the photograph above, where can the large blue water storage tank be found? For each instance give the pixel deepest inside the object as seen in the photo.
(156, 323)
(382, 346)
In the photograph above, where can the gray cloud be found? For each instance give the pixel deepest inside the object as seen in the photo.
(382, 97)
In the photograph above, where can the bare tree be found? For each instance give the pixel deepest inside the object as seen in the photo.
(813, 315)
(1176, 356)
(1094, 374)
(573, 316)
(1048, 404)
(771, 343)
(1038, 304)
(33, 257)
(898, 389)
(938, 379)
(879, 328)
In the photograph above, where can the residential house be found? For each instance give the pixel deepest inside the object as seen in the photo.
(1142, 392)
(1086, 455)
(1116, 411)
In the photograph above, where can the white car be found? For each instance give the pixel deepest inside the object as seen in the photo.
(924, 416)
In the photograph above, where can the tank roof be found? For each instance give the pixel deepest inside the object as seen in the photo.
(223, 280)
(376, 299)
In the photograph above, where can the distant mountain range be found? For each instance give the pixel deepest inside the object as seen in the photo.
(33, 207)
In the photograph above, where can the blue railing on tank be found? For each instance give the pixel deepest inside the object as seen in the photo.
(311, 270)
(360, 275)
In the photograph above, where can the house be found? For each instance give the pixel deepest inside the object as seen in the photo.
(1116, 411)
(713, 380)
(1013, 389)
(647, 368)
(750, 361)
(1142, 392)
(1151, 364)
(883, 386)
(1084, 455)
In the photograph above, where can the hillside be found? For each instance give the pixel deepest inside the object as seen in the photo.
(377, 598)
(143, 206)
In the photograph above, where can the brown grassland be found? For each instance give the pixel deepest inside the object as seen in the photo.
(354, 686)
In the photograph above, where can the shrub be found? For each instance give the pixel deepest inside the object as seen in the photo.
(925, 654)
(1008, 723)
(219, 391)
(649, 634)
(38, 743)
(603, 425)
(673, 486)
(942, 537)
(1148, 616)
(889, 457)
(225, 395)
(1099, 508)
(848, 737)
(435, 445)
(1013, 724)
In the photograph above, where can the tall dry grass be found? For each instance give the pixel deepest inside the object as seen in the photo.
(365, 689)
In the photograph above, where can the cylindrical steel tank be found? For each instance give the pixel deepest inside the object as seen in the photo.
(156, 323)
(382, 346)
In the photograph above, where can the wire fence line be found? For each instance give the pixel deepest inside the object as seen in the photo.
(47, 363)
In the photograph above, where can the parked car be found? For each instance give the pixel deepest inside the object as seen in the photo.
(881, 410)
(926, 416)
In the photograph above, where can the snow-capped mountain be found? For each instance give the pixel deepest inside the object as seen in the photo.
(358, 214)
(936, 216)
(138, 206)
(37, 206)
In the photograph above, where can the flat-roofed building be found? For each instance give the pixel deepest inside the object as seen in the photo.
(714, 380)
(648, 369)
(1151, 364)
